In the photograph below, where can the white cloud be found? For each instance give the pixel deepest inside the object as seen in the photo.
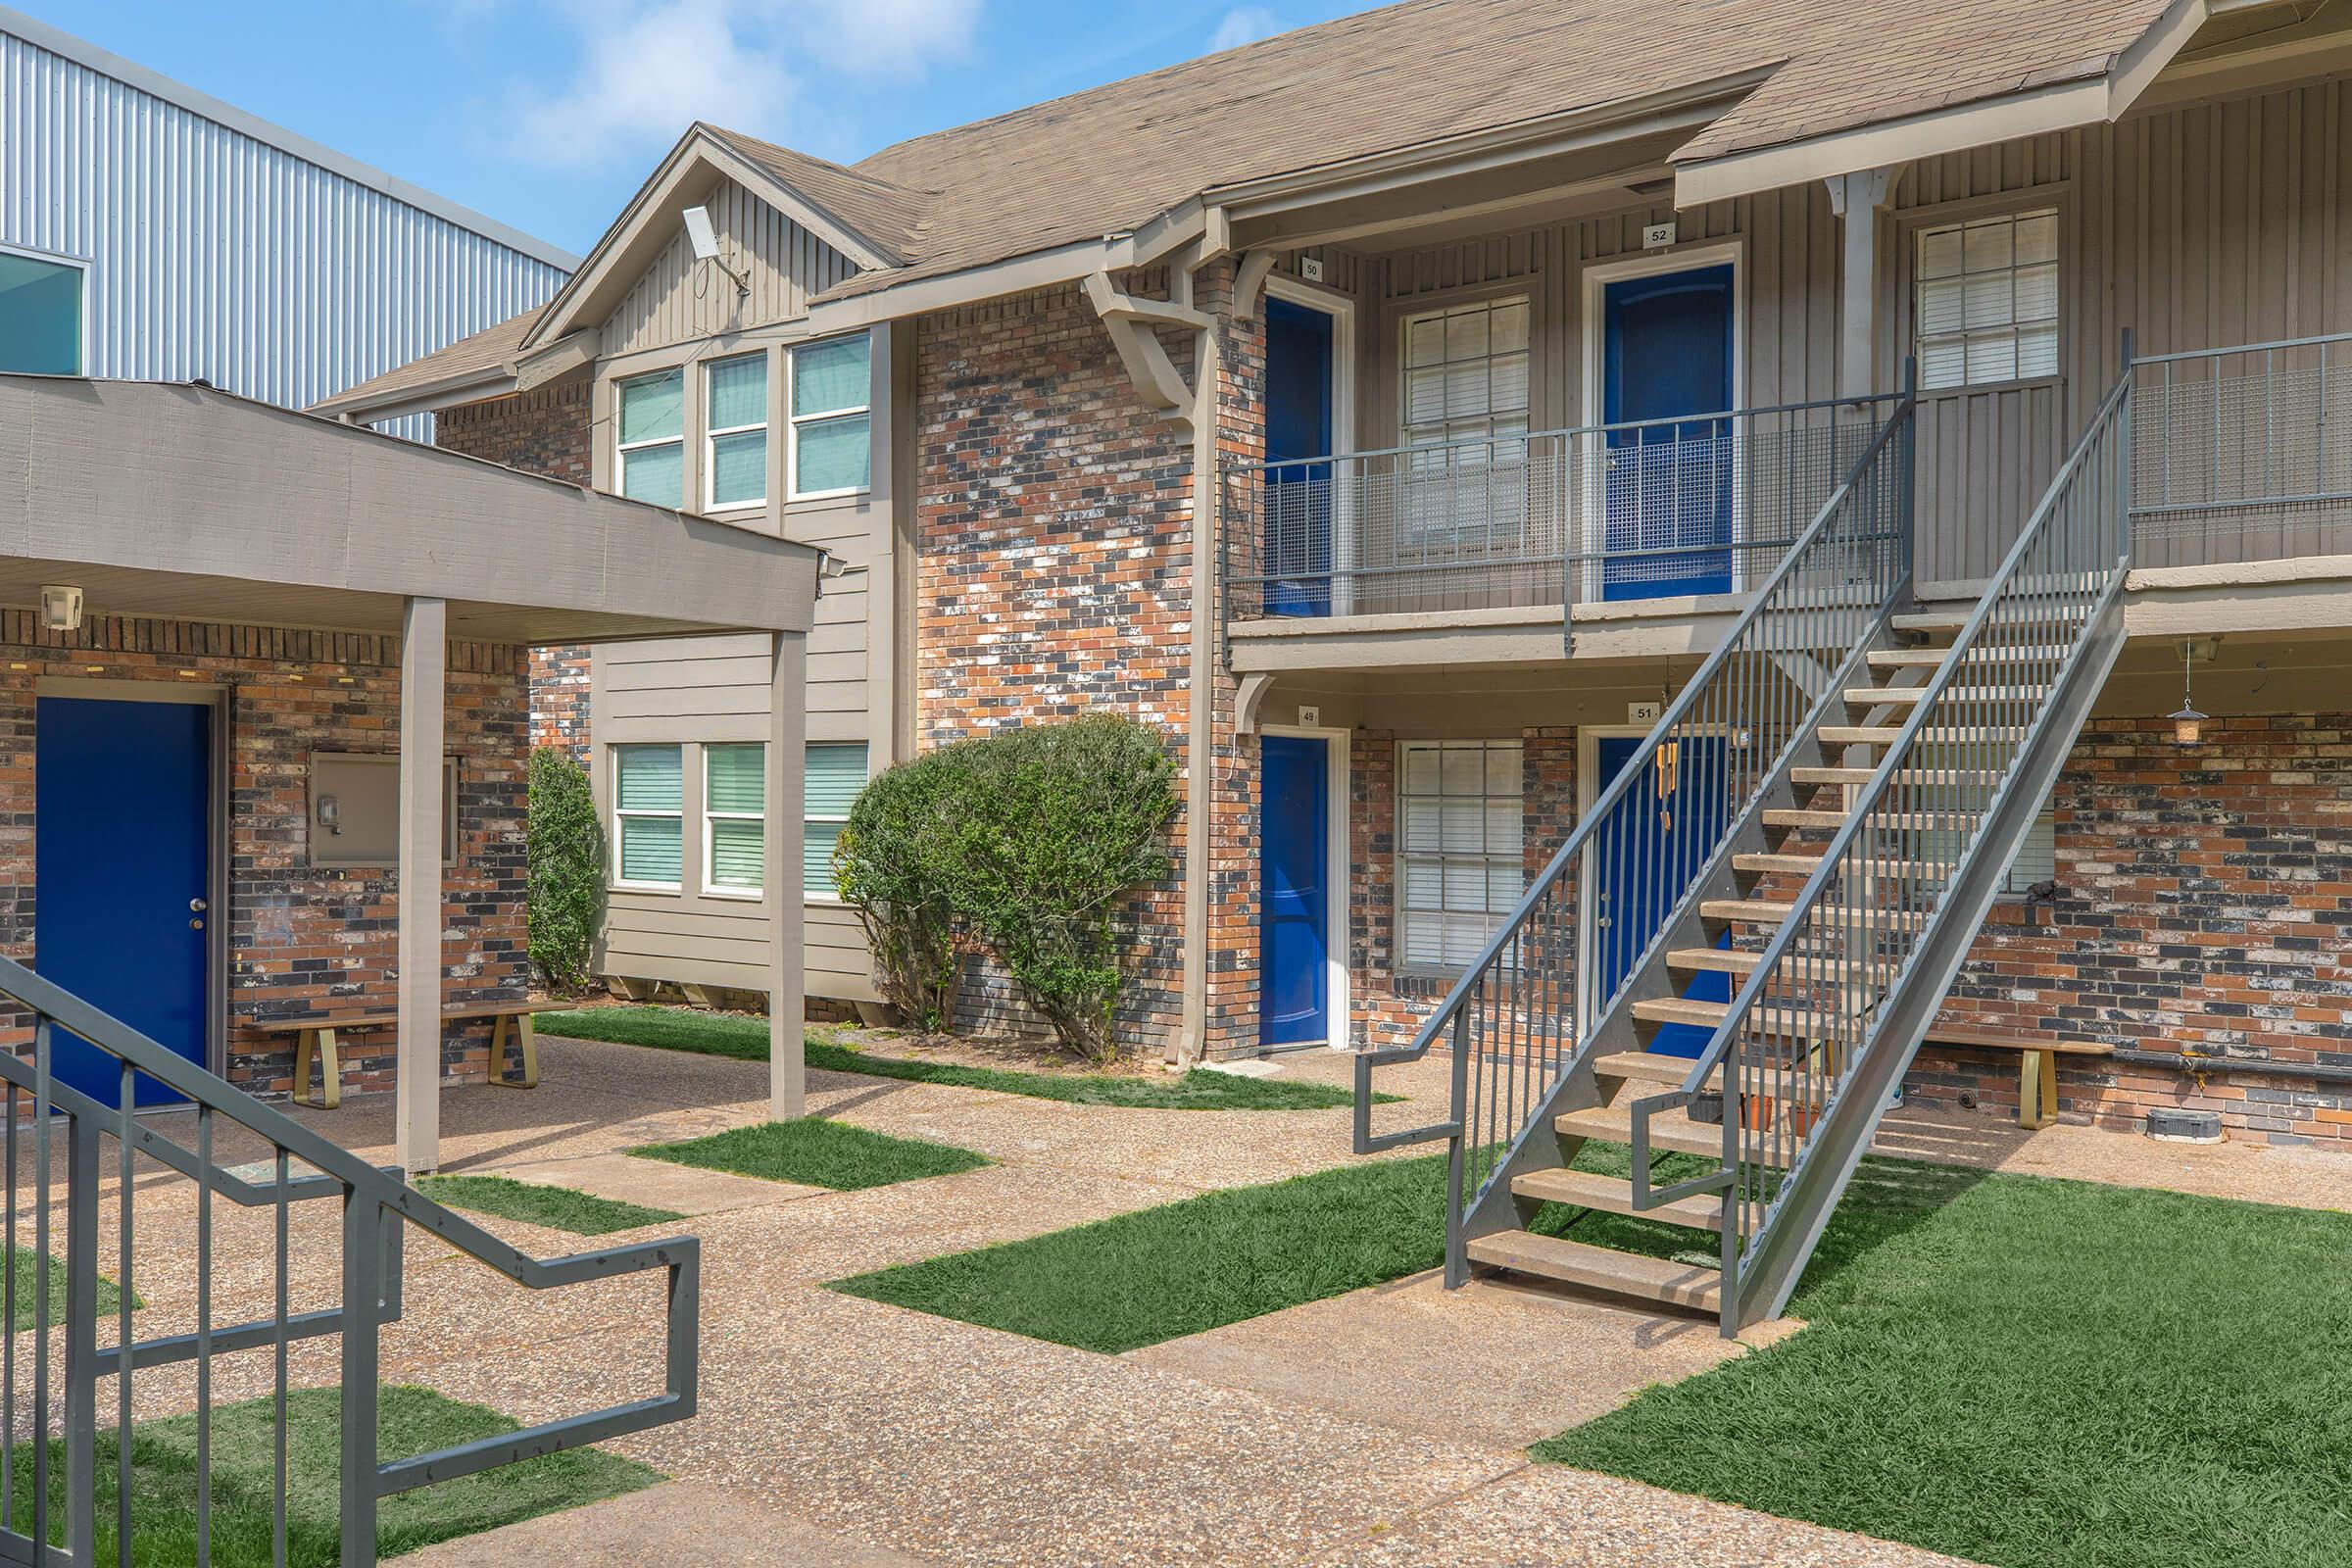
(646, 69)
(1243, 25)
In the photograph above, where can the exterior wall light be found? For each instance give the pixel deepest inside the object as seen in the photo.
(2188, 725)
(61, 607)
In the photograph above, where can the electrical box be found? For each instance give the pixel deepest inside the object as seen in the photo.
(355, 810)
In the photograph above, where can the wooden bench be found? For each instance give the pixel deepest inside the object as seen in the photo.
(2036, 1065)
(317, 1034)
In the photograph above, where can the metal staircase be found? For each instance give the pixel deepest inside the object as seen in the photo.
(1874, 771)
(55, 1518)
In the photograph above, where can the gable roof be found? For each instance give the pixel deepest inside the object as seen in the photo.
(1114, 160)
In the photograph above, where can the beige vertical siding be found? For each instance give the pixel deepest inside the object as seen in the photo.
(677, 302)
(697, 692)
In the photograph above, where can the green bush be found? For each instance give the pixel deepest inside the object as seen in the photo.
(1022, 842)
(564, 852)
(1044, 828)
(886, 867)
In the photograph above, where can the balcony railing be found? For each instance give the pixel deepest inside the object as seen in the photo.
(1643, 510)
(2243, 454)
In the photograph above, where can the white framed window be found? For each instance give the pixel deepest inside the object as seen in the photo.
(1465, 405)
(1986, 301)
(836, 773)
(651, 421)
(735, 439)
(831, 435)
(1460, 849)
(2037, 858)
(44, 320)
(648, 817)
(734, 819)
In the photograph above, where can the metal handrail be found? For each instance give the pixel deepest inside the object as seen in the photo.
(1725, 1050)
(376, 1202)
(1712, 685)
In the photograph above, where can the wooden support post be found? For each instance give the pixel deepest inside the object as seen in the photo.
(787, 961)
(1860, 199)
(423, 677)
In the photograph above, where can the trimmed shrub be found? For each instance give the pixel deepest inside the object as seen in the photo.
(1043, 829)
(886, 866)
(565, 854)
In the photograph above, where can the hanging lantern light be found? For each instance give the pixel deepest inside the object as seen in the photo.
(2188, 725)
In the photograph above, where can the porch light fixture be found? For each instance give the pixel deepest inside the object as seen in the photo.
(61, 607)
(2188, 725)
(705, 239)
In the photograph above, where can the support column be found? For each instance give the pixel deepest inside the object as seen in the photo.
(1859, 199)
(423, 679)
(787, 958)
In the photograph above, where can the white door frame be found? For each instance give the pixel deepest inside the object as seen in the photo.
(1339, 879)
(1598, 277)
(1341, 308)
(1589, 785)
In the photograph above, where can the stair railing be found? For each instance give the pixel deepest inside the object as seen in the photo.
(1821, 1032)
(1514, 1020)
(62, 1402)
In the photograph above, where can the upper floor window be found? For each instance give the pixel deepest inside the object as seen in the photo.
(652, 438)
(40, 315)
(1988, 300)
(735, 455)
(1466, 373)
(832, 420)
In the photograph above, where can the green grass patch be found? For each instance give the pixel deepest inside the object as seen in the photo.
(2030, 1373)
(714, 1034)
(1185, 1267)
(817, 1153)
(556, 1207)
(410, 1421)
(25, 1263)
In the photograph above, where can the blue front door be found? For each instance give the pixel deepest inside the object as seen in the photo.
(1667, 825)
(1293, 910)
(1667, 353)
(1298, 426)
(123, 873)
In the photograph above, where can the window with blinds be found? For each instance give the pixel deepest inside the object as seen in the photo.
(2036, 860)
(735, 409)
(836, 774)
(1460, 841)
(1465, 401)
(1987, 300)
(647, 816)
(832, 425)
(651, 424)
(734, 819)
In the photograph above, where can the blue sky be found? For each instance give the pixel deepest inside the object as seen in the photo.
(547, 114)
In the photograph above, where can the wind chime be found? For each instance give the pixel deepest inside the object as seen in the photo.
(1670, 756)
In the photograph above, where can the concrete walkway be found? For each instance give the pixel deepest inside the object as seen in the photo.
(1384, 1427)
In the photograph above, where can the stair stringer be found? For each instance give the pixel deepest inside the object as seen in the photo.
(1809, 1194)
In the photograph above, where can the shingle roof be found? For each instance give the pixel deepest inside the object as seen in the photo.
(1112, 159)
(484, 350)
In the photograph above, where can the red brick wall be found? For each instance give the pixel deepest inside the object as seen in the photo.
(303, 940)
(550, 430)
(2207, 905)
(1054, 539)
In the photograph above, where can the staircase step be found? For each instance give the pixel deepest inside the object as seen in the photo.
(1727, 960)
(1889, 734)
(1830, 821)
(1930, 657)
(1778, 1020)
(1908, 775)
(1670, 1128)
(1599, 1269)
(1773, 911)
(1930, 620)
(1615, 1194)
(1656, 1070)
(1803, 863)
(1912, 696)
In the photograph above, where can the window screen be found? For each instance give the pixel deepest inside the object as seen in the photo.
(836, 775)
(734, 813)
(831, 424)
(648, 802)
(736, 408)
(652, 438)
